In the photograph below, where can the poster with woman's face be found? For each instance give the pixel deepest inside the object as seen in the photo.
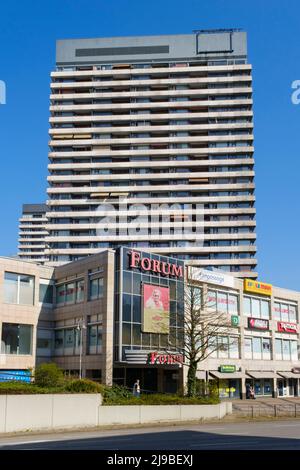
(156, 309)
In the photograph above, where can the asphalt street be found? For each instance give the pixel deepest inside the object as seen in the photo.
(267, 435)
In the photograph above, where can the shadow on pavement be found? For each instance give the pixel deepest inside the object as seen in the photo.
(175, 440)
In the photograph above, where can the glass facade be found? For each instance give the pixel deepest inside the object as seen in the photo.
(286, 350)
(70, 293)
(223, 302)
(257, 347)
(129, 334)
(256, 308)
(284, 311)
(66, 341)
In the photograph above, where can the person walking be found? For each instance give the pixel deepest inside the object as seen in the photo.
(136, 388)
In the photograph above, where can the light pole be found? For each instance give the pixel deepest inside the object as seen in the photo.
(80, 327)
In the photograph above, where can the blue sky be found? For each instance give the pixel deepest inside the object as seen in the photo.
(27, 55)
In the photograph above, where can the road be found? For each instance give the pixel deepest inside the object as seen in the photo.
(267, 435)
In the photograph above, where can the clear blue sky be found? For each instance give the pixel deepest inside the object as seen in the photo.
(28, 33)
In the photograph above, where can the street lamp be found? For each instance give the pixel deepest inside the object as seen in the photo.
(80, 326)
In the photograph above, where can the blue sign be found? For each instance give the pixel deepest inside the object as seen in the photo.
(19, 375)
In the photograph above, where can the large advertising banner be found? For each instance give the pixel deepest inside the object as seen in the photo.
(156, 309)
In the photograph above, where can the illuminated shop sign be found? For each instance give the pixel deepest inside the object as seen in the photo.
(160, 358)
(227, 368)
(156, 309)
(257, 287)
(155, 266)
(258, 324)
(285, 327)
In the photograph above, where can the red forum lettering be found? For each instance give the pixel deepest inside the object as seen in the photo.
(153, 357)
(156, 266)
(146, 264)
(176, 270)
(135, 259)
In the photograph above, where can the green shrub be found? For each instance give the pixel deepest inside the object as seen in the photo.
(157, 399)
(83, 386)
(48, 375)
(115, 393)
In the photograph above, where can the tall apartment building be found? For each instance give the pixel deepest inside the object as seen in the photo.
(153, 120)
(32, 233)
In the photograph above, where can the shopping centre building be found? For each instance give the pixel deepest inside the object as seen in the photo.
(118, 315)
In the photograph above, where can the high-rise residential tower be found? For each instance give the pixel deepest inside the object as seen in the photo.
(32, 233)
(160, 123)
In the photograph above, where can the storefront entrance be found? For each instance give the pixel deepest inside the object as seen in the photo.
(287, 387)
(262, 387)
(152, 379)
(229, 388)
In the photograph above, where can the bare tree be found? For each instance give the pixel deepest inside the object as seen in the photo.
(203, 323)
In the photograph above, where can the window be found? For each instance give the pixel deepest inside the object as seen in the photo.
(44, 342)
(94, 339)
(257, 347)
(96, 288)
(286, 349)
(223, 302)
(70, 293)
(46, 293)
(16, 338)
(256, 308)
(18, 289)
(285, 312)
(224, 347)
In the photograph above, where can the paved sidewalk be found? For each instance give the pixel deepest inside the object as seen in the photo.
(286, 406)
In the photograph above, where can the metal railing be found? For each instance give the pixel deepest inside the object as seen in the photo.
(276, 410)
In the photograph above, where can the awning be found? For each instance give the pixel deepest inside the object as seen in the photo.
(288, 374)
(261, 374)
(226, 375)
(201, 374)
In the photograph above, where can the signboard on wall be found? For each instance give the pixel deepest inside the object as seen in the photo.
(156, 309)
(227, 368)
(257, 287)
(258, 324)
(285, 327)
(210, 277)
(17, 375)
(235, 320)
(163, 358)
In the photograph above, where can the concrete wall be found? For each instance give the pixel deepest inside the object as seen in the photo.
(34, 412)
(142, 414)
(49, 412)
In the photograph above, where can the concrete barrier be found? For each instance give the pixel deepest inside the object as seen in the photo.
(143, 414)
(19, 413)
(41, 412)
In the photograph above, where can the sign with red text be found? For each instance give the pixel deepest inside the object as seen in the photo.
(258, 324)
(156, 309)
(160, 358)
(285, 327)
(155, 266)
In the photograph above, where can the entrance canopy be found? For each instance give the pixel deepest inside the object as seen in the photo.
(261, 374)
(289, 374)
(226, 375)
